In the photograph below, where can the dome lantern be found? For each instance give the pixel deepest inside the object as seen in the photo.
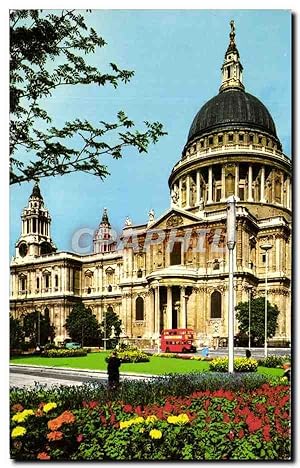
(232, 68)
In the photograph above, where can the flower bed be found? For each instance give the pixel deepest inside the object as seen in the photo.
(274, 361)
(64, 353)
(211, 424)
(240, 365)
(132, 356)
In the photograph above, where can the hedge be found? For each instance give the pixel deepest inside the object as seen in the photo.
(53, 353)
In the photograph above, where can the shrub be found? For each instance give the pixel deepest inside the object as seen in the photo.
(240, 365)
(201, 425)
(64, 353)
(273, 361)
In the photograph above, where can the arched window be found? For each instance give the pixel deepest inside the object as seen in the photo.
(110, 309)
(215, 305)
(139, 308)
(139, 273)
(109, 288)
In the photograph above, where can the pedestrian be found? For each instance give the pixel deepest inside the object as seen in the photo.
(287, 371)
(248, 353)
(113, 370)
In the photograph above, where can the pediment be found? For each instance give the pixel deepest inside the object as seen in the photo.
(174, 218)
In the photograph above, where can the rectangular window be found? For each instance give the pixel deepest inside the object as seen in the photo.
(210, 140)
(175, 256)
(241, 193)
(220, 138)
(241, 137)
(218, 194)
(228, 72)
(260, 140)
(251, 138)
(263, 258)
(38, 283)
(47, 281)
(201, 143)
(230, 137)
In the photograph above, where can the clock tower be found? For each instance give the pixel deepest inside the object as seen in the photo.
(35, 239)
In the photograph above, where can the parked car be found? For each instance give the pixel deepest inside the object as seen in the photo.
(72, 345)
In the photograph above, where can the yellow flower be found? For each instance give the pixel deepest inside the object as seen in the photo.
(151, 419)
(142, 430)
(18, 431)
(22, 415)
(155, 434)
(125, 424)
(137, 420)
(183, 419)
(49, 406)
(172, 419)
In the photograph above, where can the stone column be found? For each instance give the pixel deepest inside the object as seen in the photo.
(236, 181)
(151, 314)
(262, 185)
(180, 192)
(210, 185)
(288, 187)
(223, 195)
(182, 307)
(197, 187)
(157, 314)
(188, 189)
(169, 307)
(250, 180)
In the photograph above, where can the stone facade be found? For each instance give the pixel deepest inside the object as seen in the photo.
(173, 270)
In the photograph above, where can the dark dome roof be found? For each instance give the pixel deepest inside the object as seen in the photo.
(232, 108)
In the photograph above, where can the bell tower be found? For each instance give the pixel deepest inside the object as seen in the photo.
(103, 239)
(232, 68)
(35, 239)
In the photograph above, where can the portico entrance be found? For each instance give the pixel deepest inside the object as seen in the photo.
(170, 307)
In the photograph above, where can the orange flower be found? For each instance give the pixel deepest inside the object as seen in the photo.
(39, 412)
(17, 408)
(67, 417)
(55, 435)
(54, 424)
(43, 456)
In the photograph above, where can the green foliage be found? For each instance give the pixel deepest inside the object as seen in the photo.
(240, 365)
(257, 319)
(56, 353)
(36, 323)
(273, 361)
(48, 51)
(16, 333)
(111, 319)
(82, 326)
(201, 425)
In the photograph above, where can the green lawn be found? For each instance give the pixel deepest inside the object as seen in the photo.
(157, 365)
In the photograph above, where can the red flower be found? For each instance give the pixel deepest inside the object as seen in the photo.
(79, 438)
(206, 404)
(168, 407)
(112, 419)
(241, 433)
(226, 417)
(138, 410)
(208, 419)
(231, 435)
(127, 408)
(266, 432)
(43, 456)
(103, 420)
(93, 404)
(254, 423)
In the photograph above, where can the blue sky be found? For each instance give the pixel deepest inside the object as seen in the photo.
(176, 55)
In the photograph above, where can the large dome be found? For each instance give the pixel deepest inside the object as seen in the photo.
(233, 108)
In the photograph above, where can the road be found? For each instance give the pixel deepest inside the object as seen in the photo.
(28, 376)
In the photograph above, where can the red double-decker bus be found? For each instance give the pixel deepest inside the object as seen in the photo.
(177, 340)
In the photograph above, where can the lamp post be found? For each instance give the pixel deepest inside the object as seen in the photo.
(249, 287)
(266, 248)
(231, 241)
(104, 346)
